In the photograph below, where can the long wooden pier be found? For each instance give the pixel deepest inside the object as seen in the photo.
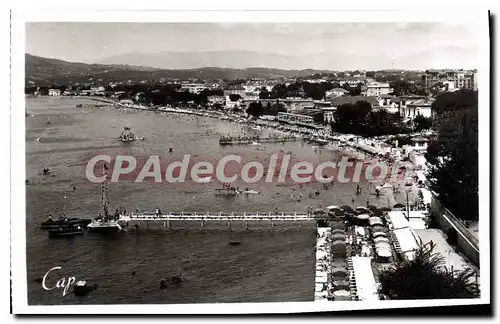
(230, 219)
(231, 140)
(217, 217)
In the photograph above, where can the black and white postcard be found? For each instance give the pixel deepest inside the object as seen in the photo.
(248, 162)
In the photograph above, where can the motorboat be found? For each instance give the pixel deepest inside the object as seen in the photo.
(251, 192)
(66, 231)
(64, 222)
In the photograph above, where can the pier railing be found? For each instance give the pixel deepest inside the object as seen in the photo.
(217, 217)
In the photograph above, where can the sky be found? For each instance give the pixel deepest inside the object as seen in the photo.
(395, 44)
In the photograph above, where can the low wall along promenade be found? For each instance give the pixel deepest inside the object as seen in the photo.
(464, 240)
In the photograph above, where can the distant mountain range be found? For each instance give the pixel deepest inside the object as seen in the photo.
(436, 57)
(214, 65)
(40, 69)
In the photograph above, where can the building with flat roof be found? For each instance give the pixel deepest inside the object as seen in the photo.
(54, 92)
(456, 79)
(375, 89)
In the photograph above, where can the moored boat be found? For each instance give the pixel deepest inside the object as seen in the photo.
(64, 221)
(106, 223)
(67, 231)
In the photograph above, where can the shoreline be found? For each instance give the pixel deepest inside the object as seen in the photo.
(356, 146)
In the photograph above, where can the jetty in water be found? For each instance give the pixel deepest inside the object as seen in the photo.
(235, 140)
(202, 218)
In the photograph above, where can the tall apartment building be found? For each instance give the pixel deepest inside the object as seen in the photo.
(456, 79)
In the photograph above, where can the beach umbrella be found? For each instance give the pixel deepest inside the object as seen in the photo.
(340, 271)
(379, 228)
(336, 225)
(338, 230)
(379, 233)
(333, 207)
(347, 208)
(362, 208)
(319, 211)
(399, 206)
(340, 264)
(338, 236)
(339, 252)
(381, 239)
(384, 253)
(385, 209)
(382, 245)
(348, 216)
(339, 279)
(341, 293)
(373, 208)
(375, 221)
(363, 216)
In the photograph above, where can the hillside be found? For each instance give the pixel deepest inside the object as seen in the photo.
(46, 71)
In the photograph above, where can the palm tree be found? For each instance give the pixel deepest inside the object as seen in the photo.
(425, 277)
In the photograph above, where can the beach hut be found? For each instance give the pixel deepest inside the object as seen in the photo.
(333, 208)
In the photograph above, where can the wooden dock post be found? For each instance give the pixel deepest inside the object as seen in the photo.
(229, 224)
(168, 223)
(202, 225)
(272, 223)
(246, 225)
(147, 224)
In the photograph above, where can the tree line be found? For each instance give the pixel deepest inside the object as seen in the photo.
(304, 89)
(453, 156)
(360, 119)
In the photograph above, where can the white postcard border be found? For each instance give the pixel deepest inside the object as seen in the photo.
(18, 230)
